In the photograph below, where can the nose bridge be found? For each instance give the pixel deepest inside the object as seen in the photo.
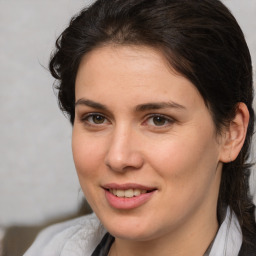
(123, 152)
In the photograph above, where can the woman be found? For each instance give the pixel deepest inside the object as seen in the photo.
(159, 93)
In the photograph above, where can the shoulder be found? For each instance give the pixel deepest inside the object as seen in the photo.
(77, 237)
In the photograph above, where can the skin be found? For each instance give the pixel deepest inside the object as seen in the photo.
(178, 152)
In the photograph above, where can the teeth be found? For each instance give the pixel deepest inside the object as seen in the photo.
(120, 193)
(136, 192)
(114, 192)
(127, 193)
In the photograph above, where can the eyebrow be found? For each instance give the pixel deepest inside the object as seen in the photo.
(91, 104)
(159, 105)
(138, 108)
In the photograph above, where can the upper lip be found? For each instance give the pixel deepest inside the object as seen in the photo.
(126, 186)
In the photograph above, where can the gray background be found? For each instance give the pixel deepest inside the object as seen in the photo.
(37, 176)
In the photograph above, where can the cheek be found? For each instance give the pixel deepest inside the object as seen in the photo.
(187, 163)
(88, 155)
(88, 158)
(188, 174)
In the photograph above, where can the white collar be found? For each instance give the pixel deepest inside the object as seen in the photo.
(229, 237)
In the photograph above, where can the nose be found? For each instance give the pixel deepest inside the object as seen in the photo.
(123, 153)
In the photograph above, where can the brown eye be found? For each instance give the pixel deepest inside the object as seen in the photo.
(98, 119)
(159, 121)
(95, 119)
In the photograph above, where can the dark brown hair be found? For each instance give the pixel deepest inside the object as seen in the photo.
(200, 39)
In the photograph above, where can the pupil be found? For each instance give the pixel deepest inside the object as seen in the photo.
(159, 120)
(98, 119)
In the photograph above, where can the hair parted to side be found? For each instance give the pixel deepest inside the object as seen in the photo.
(200, 39)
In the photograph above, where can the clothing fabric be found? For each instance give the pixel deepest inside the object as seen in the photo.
(104, 246)
(78, 237)
(229, 237)
(85, 236)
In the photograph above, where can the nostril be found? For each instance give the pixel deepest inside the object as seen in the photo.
(121, 162)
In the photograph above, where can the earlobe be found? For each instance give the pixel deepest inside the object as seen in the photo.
(235, 134)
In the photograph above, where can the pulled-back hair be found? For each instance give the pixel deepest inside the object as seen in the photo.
(201, 40)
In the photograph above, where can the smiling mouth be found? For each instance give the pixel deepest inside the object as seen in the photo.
(128, 193)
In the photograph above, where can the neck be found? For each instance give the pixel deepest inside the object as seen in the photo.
(181, 242)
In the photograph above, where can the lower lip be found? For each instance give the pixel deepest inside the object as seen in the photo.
(126, 203)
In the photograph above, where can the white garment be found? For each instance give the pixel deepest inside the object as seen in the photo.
(77, 237)
(80, 237)
(229, 237)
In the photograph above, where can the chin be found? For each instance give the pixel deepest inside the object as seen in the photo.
(130, 228)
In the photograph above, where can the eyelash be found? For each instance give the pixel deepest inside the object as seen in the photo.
(167, 120)
(85, 119)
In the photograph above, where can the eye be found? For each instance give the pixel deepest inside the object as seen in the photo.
(159, 121)
(95, 119)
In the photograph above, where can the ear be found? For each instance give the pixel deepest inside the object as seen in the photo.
(234, 135)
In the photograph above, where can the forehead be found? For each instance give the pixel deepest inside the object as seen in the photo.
(136, 73)
(131, 59)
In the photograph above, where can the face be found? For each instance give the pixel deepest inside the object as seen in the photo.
(144, 144)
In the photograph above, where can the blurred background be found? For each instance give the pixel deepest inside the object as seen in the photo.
(38, 183)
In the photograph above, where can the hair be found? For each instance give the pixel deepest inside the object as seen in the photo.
(201, 40)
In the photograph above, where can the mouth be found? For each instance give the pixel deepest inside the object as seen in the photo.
(128, 196)
(128, 193)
